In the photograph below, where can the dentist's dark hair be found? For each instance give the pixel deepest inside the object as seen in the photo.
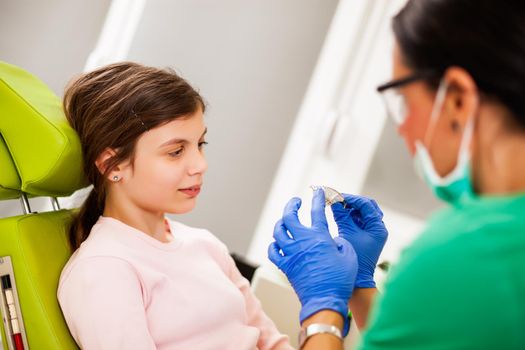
(484, 37)
(111, 107)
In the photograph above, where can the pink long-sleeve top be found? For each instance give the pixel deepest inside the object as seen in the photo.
(123, 289)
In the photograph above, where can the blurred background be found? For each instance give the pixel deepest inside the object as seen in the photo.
(290, 86)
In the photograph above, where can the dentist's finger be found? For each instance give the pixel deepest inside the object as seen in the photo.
(318, 210)
(274, 254)
(290, 215)
(280, 233)
(365, 206)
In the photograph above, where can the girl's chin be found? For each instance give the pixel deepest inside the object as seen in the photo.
(181, 208)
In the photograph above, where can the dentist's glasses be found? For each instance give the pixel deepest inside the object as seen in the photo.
(396, 106)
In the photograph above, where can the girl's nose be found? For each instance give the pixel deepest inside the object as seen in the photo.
(199, 165)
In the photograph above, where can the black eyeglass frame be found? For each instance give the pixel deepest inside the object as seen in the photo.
(397, 83)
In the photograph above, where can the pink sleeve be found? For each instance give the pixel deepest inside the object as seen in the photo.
(102, 302)
(270, 338)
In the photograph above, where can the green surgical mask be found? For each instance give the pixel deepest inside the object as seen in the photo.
(457, 185)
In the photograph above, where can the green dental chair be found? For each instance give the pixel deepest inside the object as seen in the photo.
(40, 155)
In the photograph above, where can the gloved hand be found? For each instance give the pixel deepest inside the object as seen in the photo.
(361, 224)
(321, 269)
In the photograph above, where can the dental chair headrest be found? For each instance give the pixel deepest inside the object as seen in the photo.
(40, 153)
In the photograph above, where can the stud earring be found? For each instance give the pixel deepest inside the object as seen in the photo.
(115, 178)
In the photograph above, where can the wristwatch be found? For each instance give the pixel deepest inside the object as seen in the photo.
(317, 328)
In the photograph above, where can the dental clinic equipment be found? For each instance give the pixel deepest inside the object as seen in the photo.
(15, 335)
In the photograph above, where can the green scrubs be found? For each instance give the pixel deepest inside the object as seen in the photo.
(460, 285)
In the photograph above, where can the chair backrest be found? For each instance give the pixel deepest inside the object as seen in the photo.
(40, 155)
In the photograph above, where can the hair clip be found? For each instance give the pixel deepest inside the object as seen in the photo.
(140, 120)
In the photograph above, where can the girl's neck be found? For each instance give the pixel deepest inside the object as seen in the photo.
(150, 223)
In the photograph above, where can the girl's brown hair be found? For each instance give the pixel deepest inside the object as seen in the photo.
(110, 108)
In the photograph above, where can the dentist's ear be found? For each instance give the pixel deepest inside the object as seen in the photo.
(462, 99)
(102, 163)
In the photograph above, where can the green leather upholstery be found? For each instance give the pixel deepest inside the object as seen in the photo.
(43, 147)
(9, 179)
(40, 155)
(37, 244)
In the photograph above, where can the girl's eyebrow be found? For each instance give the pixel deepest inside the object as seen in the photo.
(177, 140)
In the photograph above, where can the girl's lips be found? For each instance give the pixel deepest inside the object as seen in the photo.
(191, 191)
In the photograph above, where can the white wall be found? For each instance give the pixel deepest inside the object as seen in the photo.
(50, 38)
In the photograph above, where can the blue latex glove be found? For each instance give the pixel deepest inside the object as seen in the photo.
(321, 269)
(361, 224)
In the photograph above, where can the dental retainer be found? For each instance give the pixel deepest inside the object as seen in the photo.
(331, 196)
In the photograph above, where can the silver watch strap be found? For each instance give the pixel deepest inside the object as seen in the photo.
(318, 328)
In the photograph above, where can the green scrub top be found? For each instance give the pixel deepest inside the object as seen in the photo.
(460, 285)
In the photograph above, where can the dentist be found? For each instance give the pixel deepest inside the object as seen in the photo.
(458, 97)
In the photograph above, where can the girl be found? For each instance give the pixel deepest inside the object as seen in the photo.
(137, 280)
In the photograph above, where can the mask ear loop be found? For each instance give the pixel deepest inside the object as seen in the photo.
(467, 139)
(436, 111)
(468, 136)
(463, 152)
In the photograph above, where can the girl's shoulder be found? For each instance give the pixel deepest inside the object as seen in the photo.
(200, 238)
(178, 229)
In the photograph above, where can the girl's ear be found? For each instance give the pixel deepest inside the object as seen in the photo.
(102, 161)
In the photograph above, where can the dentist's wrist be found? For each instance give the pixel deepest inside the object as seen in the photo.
(365, 279)
(330, 317)
(326, 304)
(365, 283)
(314, 306)
(322, 330)
(360, 304)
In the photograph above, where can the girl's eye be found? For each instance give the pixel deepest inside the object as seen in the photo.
(176, 153)
(202, 144)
